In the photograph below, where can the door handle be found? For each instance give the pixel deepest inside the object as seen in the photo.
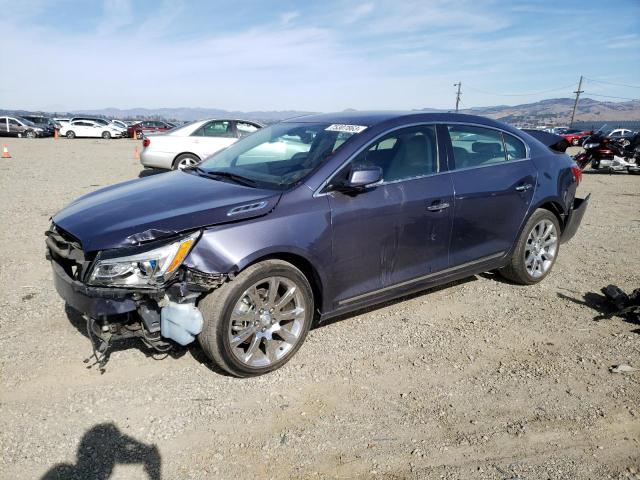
(524, 188)
(437, 207)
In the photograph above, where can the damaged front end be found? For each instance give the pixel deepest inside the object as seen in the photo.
(138, 292)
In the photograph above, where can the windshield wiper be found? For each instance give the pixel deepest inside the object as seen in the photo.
(248, 182)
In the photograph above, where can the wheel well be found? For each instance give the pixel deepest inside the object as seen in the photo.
(305, 267)
(556, 209)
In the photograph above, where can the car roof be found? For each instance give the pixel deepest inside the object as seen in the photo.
(371, 118)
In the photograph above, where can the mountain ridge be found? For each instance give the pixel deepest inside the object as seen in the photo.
(549, 111)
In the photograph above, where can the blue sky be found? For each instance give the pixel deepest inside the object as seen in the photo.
(313, 55)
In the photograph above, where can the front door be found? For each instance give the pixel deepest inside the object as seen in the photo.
(494, 183)
(399, 230)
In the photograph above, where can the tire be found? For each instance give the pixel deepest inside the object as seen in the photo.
(138, 135)
(185, 160)
(575, 142)
(71, 134)
(231, 310)
(106, 135)
(30, 134)
(532, 260)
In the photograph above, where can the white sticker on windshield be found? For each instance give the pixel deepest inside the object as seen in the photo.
(337, 127)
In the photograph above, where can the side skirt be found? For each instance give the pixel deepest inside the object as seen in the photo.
(490, 262)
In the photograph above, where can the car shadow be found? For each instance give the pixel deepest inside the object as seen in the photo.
(602, 306)
(149, 172)
(194, 349)
(102, 448)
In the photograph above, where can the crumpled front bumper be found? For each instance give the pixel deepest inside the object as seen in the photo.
(575, 218)
(92, 301)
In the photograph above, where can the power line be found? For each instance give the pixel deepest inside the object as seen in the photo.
(613, 83)
(611, 96)
(521, 94)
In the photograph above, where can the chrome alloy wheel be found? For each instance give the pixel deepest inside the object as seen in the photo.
(541, 248)
(187, 162)
(267, 321)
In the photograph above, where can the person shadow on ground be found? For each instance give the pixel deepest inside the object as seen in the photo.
(101, 449)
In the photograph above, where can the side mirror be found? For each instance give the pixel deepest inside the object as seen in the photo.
(360, 178)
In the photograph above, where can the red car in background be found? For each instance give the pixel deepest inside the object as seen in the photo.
(148, 126)
(575, 137)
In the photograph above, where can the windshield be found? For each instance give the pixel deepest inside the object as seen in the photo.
(604, 129)
(280, 155)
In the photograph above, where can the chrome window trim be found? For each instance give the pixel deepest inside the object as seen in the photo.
(319, 193)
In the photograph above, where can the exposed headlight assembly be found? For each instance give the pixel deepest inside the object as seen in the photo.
(590, 145)
(146, 269)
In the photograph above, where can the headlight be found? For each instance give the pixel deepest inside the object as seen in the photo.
(590, 145)
(146, 269)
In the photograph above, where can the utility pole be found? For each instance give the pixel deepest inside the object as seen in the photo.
(575, 104)
(459, 85)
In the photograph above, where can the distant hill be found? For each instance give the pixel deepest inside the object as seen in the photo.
(558, 111)
(552, 111)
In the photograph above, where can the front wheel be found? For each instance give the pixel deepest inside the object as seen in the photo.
(106, 135)
(536, 250)
(138, 135)
(30, 134)
(71, 134)
(255, 323)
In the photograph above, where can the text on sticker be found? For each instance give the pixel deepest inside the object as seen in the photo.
(336, 127)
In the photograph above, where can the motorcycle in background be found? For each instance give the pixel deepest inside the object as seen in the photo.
(603, 153)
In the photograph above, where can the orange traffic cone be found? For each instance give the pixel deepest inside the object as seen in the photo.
(136, 154)
(5, 152)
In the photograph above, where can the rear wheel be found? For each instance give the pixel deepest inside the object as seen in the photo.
(536, 250)
(185, 160)
(138, 135)
(575, 142)
(30, 134)
(106, 135)
(71, 134)
(257, 322)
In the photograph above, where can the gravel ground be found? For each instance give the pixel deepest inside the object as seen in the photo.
(477, 379)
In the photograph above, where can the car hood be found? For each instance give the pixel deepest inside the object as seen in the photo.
(158, 206)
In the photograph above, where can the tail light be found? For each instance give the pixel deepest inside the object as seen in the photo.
(146, 142)
(577, 173)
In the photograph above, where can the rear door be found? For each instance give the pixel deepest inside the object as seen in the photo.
(213, 136)
(493, 181)
(395, 232)
(4, 127)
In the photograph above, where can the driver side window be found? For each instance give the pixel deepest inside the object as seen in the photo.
(403, 154)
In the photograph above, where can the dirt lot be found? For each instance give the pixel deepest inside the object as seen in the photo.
(480, 379)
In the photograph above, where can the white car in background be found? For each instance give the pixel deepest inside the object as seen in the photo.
(89, 128)
(188, 145)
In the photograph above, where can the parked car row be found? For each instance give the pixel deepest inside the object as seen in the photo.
(577, 137)
(33, 126)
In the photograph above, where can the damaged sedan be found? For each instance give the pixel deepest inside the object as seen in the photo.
(306, 220)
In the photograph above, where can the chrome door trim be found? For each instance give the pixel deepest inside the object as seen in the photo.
(423, 277)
